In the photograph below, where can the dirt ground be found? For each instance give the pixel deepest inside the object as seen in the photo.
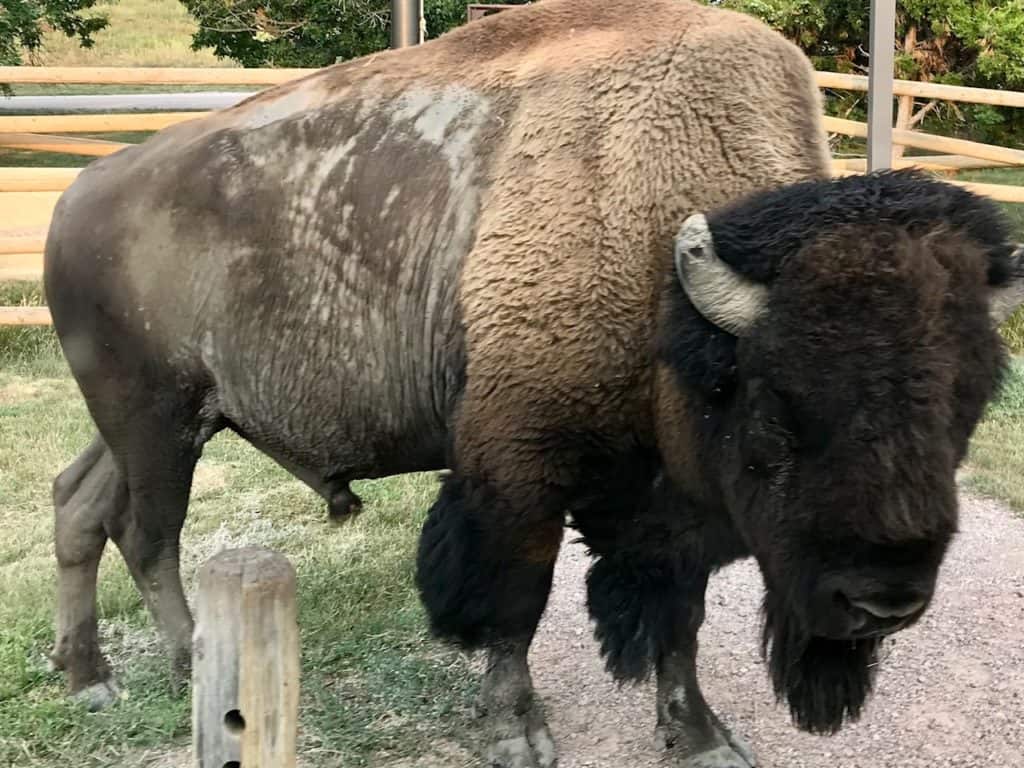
(950, 691)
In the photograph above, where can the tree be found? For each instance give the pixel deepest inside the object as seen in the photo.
(306, 33)
(963, 42)
(22, 23)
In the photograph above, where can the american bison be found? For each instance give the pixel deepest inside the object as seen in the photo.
(591, 260)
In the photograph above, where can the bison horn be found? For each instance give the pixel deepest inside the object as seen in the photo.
(1007, 298)
(722, 295)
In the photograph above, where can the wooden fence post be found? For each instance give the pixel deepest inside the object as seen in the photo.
(245, 668)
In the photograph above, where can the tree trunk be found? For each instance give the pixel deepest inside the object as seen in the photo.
(905, 104)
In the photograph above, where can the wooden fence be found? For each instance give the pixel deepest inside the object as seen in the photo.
(27, 195)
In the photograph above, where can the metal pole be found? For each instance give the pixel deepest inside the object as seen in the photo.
(405, 22)
(880, 76)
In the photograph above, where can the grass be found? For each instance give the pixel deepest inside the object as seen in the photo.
(996, 461)
(141, 33)
(375, 687)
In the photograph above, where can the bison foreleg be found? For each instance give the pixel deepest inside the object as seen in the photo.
(648, 612)
(519, 734)
(484, 570)
(686, 724)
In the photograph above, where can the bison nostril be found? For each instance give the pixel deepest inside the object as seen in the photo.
(888, 610)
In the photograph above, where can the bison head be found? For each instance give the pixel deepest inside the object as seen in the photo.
(835, 344)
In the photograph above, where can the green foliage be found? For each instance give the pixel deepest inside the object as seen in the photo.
(960, 42)
(22, 23)
(306, 33)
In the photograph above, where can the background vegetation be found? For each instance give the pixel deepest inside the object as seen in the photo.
(976, 43)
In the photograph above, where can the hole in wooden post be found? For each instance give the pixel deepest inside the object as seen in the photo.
(232, 764)
(235, 723)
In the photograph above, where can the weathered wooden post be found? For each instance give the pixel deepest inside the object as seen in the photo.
(245, 662)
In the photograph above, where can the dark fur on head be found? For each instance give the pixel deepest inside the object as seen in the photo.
(832, 429)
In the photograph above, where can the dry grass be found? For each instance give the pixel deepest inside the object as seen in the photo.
(376, 688)
(141, 33)
(996, 461)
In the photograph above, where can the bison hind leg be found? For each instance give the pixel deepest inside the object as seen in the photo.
(89, 497)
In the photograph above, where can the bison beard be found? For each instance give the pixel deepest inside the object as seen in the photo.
(824, 681)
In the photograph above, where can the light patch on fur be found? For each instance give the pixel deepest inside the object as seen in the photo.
(300, 98)
(393, 194)
(448, 119)
(433, 112)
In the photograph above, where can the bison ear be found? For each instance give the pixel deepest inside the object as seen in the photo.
(726, 298)
(1007, 297)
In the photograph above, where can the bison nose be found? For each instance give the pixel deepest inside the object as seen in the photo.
(881, 613)
(845, 607)
(885, 609)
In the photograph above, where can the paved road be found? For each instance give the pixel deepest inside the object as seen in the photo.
(950, 693)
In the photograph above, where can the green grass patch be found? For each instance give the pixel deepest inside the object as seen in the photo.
(373, 681)
(27, 351)
(996, 460)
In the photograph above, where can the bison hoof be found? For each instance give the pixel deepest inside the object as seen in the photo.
(535, 749)
(98, 695)
(343, 505)
(720, 757)
(518, 740)
(733, 754)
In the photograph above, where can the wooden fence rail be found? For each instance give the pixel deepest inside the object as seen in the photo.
(36, 179)
(149, 121)
(66, 145)
(151, 75)
(936, 91)
(947, 163)
(930, 142)
(262, 76)
(21, 255)
(106, 103)
(25, 316)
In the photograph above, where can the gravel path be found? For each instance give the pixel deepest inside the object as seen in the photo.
(950, 692)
